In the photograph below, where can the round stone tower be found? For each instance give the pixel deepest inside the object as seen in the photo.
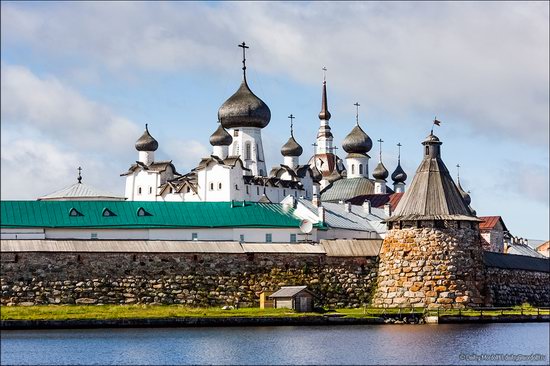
(432, 254)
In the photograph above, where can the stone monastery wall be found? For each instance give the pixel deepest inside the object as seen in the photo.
(509, 287)
(215, 279)
(174, 278)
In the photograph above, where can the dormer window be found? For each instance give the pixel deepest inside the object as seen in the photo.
(188, 189)
(141, 212)
(108, 213)
(74, 212)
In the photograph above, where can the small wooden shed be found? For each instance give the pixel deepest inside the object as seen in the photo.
(298, 298)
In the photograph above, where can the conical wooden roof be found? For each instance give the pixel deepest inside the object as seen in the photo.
(432, 195)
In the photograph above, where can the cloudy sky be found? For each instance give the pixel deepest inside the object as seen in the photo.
(79, 80)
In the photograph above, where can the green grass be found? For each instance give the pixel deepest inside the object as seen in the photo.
(65, 312)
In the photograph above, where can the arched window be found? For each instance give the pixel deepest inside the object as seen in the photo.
(360, 168)
(219, 186)
(139, 190)
(352, 169)
(427, 150)
(150, 190)
(261, 172)
(247, 153)
(211, 186)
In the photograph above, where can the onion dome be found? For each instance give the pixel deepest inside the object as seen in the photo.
(399, 175)
(220, 137)
(357, 141)
(244, 109)
(380, 172)
(146, 142)
(291, 148)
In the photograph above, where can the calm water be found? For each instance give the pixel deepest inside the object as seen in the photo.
(369, 344)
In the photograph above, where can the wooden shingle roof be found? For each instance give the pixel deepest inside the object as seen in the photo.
(432, 195)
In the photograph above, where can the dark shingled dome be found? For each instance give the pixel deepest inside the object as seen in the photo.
(291, 148)
(146, 142)
(380, 172)
(357, 141)
(244, 109)
(220, 137)
(399, 175)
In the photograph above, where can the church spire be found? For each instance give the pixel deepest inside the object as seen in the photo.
(324, 114)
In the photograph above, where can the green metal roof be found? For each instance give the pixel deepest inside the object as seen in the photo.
(160, 214)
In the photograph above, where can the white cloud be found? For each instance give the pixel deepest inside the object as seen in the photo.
(185, 154)
(49, 129)
(483, 65)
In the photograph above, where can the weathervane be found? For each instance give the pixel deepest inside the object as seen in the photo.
(244, 47)
(79, 175)
(357, 113)
(380, 141)
(291, 124)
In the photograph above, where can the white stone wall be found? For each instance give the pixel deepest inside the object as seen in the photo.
(22, 233)
(357, 167)
(256, 159)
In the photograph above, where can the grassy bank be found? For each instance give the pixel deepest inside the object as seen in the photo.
(66, 312)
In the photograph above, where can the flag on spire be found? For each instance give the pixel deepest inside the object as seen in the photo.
(436, 122)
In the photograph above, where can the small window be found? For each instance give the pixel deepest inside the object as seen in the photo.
(427, 150)
(261, 172)
(211, 186)
(247, 151)
(360, 168)
(171, 190)
(241, 238)
(257, 190)
(194, 236)
(150, 190)
(235, 133)
(73, 212)
(268, 238)
(108, 213)
(219, 186)
(293, 238)
(188, 189)
(141, 212)
(247, 190)
(139, 190)
(352, 169)
(93, 236)
(284, 192)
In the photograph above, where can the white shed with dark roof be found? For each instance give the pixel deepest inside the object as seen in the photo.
(298, 298)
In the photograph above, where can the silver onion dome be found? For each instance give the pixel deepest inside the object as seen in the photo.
(220, 137)
(380, 172)
(399, 175)
(357, 141)
(146, 142)
(244, 109)
(291, 148)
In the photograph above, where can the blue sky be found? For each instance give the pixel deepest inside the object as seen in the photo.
(79, 81)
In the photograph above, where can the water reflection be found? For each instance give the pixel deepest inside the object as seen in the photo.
(374, 344)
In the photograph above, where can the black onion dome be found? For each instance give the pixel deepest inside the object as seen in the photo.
(220, 137)
(465, 196)
(291, 148)
(244, 109)
(357, 141)
(380, 172)
(399, 175)
(146, 142)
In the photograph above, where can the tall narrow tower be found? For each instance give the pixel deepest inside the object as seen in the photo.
(432, 254)
(324, 159)
(244, 115)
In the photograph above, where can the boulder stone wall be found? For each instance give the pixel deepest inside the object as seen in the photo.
(174, 278)
(431, 267)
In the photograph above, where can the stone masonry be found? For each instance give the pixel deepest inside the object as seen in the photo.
(175, 278)
(432, 267)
